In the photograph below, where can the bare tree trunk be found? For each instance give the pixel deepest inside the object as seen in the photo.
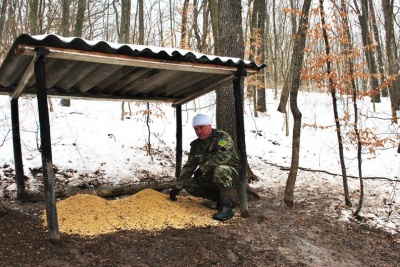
(171, 22)
(33, 16)
(214, 24)
(206, 22)
(369, 55)
(275, 56)
(3, 12)
(64, 27)
(359, 144)
(295, 70)
(200, 38)
(184, 31)
(392, 58)
(254, 31)
(141, 22)
(79, 19)
(332, 85)
(287, 83)
(261, 96)
(65, 32)
(231, 45)
(378, 49)
(124, 34)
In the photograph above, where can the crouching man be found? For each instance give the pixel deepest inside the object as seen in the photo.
(211, 170)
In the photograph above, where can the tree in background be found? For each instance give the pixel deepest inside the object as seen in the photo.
(329, 60)
(33, 16)
(392, 58)
(295, 71)
(256, 84)
(3, 11)
(380, 57)
(65, 31)
(231, 44)
(184, 25)
(79, 18)
(363, 16)
(287, 79)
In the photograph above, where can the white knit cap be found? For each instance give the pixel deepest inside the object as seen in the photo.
(201, 119)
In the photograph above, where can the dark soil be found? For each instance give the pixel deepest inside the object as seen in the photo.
(273, 235)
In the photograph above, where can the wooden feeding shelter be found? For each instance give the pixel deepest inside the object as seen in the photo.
(74, 68)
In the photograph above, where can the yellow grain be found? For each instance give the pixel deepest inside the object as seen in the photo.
(147, 210)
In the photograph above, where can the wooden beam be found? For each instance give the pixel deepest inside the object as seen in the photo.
(178, 109)
(47, 162)
(24, 80)
(237, 91)
(19, 166)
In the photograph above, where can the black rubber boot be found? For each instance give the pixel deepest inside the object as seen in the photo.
(225, 211)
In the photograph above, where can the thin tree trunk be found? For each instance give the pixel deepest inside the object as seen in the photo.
(369, 55)
(275, 61)
(124, 34)
(295, 70)
(206, 21)
(65, 32)
(141, 22)
(184, 31)
(359, 159)
(3, 12)
(260, 88)
(378, 49)
(287, 83)
(214, 24)
(254, 30)
(392, 58)
(80, 16)
(171, 22)
(33, 16)
(332, 85)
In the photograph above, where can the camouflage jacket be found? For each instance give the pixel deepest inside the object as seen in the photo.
(218, 149)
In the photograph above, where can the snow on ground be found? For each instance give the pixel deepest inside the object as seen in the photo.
(89, 140)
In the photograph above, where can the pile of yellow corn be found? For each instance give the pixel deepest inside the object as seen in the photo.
(148, 210)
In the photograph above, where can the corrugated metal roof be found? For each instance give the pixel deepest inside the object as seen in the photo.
(77, 68)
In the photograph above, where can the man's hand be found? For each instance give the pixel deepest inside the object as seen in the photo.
(173, 192)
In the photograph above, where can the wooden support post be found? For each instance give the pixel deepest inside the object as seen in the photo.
(237, 90)
(178, 167)
(47, 164)
(19, 167)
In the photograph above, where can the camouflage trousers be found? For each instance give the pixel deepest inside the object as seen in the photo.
(207, 185)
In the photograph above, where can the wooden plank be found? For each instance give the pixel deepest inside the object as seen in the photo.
(178, 110)
(237, 90)
(24, 80)
(47, 164)
(19, 166)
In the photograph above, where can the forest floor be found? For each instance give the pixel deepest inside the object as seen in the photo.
(273, 235)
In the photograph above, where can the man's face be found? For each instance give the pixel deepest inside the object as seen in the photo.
(203, 131)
